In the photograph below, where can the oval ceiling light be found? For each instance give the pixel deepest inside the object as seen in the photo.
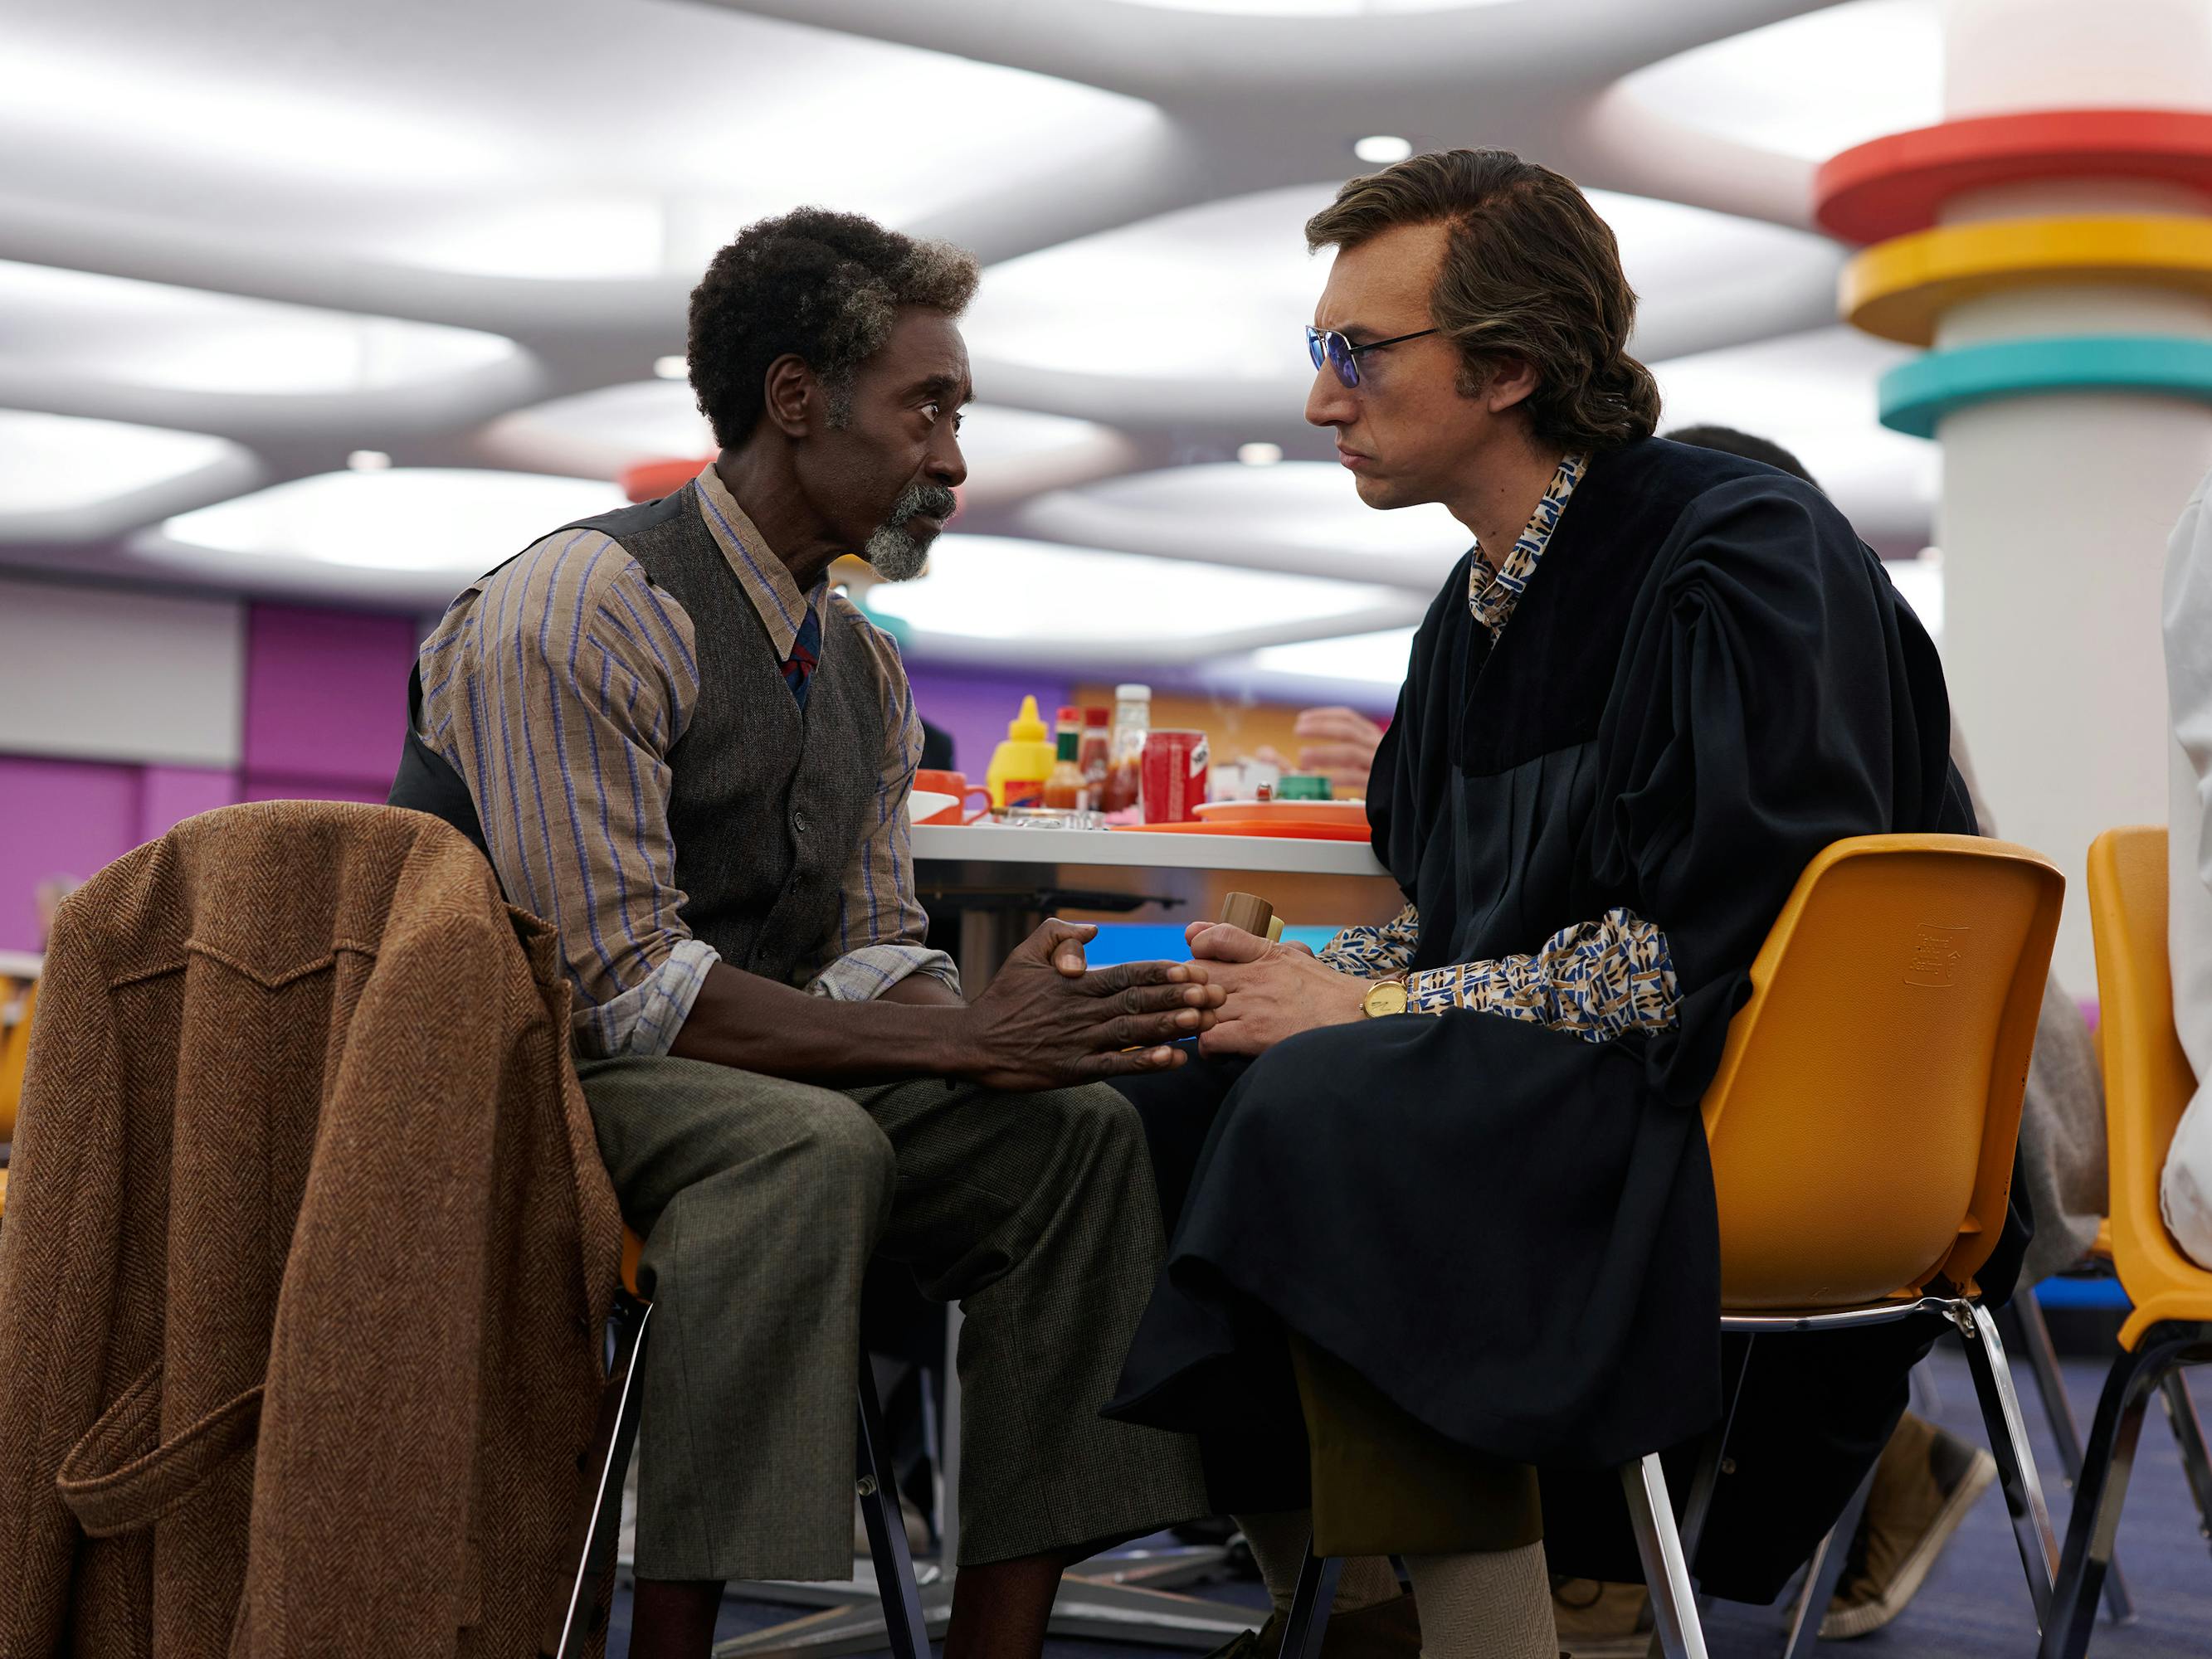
(672, 368)
(1808, 86)
(1376, 658)
(1383, 147)
(129, 332)
(54, 462)
(455, 522)
(1260, 454)
(1311, 8)
(1047, 597)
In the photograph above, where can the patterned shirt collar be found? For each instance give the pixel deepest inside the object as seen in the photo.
(765, 577)
(1492, 590)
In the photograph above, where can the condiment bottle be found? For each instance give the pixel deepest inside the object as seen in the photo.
(1125, 763)
(1098, 741)
(1064, 789)
(1020, 765)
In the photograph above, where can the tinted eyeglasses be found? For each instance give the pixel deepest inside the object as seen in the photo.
(1328, 346)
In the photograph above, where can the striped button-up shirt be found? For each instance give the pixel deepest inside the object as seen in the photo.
(557, 687)
(1596, 978)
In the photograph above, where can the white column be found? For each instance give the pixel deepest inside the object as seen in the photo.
(2055, 508)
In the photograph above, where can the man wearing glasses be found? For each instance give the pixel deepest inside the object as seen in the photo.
(1453, 1221)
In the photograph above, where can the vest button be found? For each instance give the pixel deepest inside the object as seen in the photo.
(799, 823)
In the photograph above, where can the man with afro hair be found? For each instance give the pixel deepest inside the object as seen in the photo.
(671, 737)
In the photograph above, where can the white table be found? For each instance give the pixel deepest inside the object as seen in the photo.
(1002, 880)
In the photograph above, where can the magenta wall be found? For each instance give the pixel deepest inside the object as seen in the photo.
(325, 707)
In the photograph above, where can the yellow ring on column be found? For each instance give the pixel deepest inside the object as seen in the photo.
(1897, 288)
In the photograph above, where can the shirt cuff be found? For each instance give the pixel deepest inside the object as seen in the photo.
(863, 974)
(643, 1021)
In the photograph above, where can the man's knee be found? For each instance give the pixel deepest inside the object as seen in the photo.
(839, 1148)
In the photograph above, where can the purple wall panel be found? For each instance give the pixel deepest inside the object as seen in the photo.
(974, 705)
(57, 817)
(326, 696)
(168, 795)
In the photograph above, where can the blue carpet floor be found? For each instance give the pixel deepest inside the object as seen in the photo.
(1974, 1604)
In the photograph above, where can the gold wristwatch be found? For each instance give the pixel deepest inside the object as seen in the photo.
(1385, 996)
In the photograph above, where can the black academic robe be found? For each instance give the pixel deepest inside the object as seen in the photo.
(1509, 1230)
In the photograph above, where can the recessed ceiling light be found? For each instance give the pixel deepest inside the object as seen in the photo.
(1259, 454)
(368, 460)
(1383, 148)
(672, 368)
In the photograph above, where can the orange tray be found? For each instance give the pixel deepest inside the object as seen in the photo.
(1279, 828)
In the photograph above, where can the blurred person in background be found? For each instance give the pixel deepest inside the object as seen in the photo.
(674, 739)
(2186, 1186)
(1453, 1221)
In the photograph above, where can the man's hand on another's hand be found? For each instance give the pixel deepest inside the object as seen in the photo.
(1273, 991)
(1046, 1020)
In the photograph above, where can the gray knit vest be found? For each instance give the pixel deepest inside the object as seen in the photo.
(767, 803)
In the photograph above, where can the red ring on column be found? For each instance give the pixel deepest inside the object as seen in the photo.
(1892, 186)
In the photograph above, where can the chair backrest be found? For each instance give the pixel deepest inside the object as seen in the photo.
(15, 1054)
(1863, 1117)
(2148, 1081)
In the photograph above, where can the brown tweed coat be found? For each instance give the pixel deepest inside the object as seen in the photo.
(305, 1258)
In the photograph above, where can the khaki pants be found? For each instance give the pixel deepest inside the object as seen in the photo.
(761, 1201)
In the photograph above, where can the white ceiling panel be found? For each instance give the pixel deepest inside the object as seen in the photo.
(509, 136)
(1223, 292)
(1811, 86)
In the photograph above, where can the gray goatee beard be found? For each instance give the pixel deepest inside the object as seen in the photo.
(895, 552)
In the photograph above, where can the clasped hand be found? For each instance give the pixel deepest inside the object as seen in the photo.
(1047, 1019)
(1272, 991)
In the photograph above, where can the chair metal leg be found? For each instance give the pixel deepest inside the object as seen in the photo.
(1666, 1570)
(2188, 1435)
(2100, 1494)
(600, 1522)
(2025, 1326)
(877, 1480)
(1823, 1573)
(1310, 1600)
(2007, 1432)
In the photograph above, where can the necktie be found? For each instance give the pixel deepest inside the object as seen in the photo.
(806, 653)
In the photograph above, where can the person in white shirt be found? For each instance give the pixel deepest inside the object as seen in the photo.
(2185, 1191)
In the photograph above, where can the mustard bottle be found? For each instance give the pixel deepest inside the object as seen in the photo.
(1020, 765)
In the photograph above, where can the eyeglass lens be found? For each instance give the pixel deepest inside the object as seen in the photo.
(1333, 348)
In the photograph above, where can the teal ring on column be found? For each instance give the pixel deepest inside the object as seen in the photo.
(1916, 395)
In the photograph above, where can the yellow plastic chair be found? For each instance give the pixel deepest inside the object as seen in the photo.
(906, 1626)
(2148, 1084)
(1862, 1126)
(15, 1052)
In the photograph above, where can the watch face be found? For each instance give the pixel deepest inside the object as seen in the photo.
(1386, 999)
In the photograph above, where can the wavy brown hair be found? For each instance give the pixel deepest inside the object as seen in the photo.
(1529, 271)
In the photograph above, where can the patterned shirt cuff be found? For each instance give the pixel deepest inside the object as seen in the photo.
(643, 1021)
(1595, 981)
(1372, 952)
(863, 974)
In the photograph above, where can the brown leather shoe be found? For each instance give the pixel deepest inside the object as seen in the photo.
(1598, 1620)
(1388, 1630)
(1923, 1486)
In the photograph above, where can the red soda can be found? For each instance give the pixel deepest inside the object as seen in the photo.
(1172, 785)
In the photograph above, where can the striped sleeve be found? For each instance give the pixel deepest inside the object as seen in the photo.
(557, 687)
(882, 929)
(1597, 980)
(1372, 952)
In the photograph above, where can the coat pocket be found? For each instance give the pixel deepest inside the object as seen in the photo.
(122, 1475)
